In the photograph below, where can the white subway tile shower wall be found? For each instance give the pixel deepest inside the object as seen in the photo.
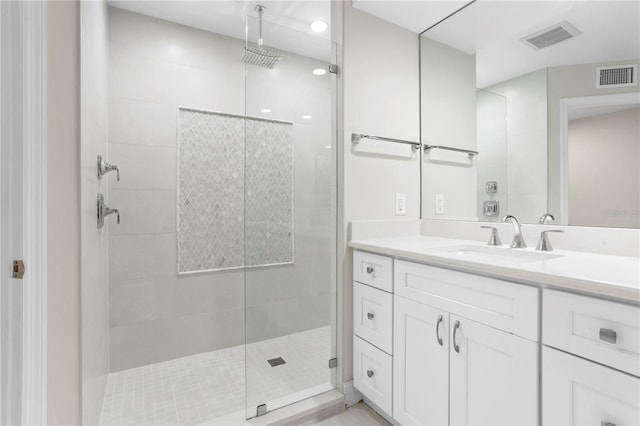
(94, 265)
(155, 67)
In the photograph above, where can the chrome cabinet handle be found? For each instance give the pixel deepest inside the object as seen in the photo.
(603, 423)
(370, 373)
(438, 338)
(369, 270)
(455, 331)
(370, 315)
(608, 335)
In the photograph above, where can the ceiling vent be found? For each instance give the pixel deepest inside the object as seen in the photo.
(616, 76)
(550, 36)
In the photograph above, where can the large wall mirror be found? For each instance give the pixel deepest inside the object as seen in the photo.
(546, 92)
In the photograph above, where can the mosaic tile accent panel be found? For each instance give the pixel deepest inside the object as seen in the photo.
(269, 193)
(222, 193)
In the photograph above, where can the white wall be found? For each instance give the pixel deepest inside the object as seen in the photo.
(448, 111)
(381, 97)
(610, 144)
(155, 67)
(63, 209)
(95, 274)
(526, 144)
(492, 143)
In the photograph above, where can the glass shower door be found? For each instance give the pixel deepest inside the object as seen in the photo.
(289, 217)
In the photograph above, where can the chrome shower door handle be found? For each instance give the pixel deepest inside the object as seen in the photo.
(455, 331)
(438, 338)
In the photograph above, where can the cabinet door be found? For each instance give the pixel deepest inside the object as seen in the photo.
(420, 364)
(579, 392)
(494, 376)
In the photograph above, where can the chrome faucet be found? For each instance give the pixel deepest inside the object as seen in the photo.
(546, 218)
(104, 168)
(104, 211)
(544, 244)
(494, 240)
(518, 241)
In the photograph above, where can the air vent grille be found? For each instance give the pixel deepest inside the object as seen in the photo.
(616, 76)
(550, 36)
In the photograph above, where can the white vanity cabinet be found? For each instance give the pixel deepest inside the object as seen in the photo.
(421, 364)
(454, 369)
(372, 327)
(590, 361)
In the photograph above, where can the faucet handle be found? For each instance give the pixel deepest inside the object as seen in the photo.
(544, 244)
(546, 218)
(494, 239)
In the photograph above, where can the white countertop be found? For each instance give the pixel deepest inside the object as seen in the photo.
(616, 277)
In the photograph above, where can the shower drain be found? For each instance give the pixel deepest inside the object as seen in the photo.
(276, 361)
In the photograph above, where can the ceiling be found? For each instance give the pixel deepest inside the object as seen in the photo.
(286, 24)
(493, 29)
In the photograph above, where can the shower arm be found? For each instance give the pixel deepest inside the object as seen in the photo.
(259, 8)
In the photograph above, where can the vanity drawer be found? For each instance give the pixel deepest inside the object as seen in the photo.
(372, 373)
(373, 269)
(500, 304)
(600, 330)
(373, 316)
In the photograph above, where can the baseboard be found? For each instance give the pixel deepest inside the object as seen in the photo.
(351, 395)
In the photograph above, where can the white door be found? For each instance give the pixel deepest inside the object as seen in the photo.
(494, 376)
(420, 364)
(10, 221)
(22, 212)
(580, 392)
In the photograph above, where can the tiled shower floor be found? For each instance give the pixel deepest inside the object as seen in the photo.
(200, 388)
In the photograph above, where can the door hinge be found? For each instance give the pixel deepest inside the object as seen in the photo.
(333, 362)
(261, 410)
(18, 269)
(333, 68)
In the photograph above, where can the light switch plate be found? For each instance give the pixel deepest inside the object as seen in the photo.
(439, 203)
(401, 203)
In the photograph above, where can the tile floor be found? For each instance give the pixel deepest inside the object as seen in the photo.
(200, 388)
(356, 415)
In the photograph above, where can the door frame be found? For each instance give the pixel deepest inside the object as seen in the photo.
(566, 104)
(24, 73)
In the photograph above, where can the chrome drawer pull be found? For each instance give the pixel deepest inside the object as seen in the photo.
(438, 338)
(609, 336)
(370, 373)
(603, 423)
(370, 315)
(369, 270)
(455, 330)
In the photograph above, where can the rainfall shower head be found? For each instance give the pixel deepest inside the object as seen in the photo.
(257, 55)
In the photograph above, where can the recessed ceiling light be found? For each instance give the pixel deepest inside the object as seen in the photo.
(319, 71)
(306, 117)
(265, 110)
(319, 26)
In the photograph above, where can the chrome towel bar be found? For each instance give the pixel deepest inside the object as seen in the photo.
(470, 153)
(355, 138)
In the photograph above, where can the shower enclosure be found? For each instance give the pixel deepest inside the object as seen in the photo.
(221, 274)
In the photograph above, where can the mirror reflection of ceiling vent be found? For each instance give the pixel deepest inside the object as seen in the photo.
(550, 36)
(616, 76)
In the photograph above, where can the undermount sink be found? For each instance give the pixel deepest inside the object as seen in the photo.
(498, 253)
